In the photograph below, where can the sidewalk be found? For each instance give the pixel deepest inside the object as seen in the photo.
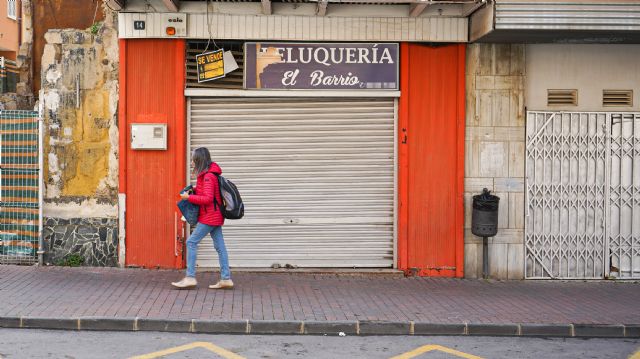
(136, 299)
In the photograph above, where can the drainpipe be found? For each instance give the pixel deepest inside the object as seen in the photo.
(40, 182)
(19, 19)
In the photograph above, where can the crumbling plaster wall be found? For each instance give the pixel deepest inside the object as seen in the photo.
(60, 14)
(79, 98)
(24, 61)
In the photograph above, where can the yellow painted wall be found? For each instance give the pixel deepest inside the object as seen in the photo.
(91, 136)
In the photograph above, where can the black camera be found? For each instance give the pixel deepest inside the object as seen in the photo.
(188, 189)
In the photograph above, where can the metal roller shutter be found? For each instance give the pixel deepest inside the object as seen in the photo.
(317, 177)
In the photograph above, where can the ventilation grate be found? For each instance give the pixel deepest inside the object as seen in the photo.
(562, 97)
(617, 98)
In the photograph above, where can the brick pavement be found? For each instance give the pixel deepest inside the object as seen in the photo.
(111, 292)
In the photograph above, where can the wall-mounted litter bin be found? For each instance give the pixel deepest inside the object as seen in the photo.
(484, 219)
(484, 222)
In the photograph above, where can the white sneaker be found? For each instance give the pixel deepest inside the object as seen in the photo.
(185, 283)
(222, 284)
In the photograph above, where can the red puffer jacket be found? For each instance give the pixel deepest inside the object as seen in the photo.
(206, 188)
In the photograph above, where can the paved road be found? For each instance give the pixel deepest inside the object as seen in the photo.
(22, 343)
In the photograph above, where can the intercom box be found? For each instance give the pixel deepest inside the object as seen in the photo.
(149, 136)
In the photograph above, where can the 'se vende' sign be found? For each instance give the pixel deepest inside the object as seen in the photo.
(210, 65)
(321, 66)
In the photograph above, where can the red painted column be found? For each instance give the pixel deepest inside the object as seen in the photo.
(403, 158)
(180, 135)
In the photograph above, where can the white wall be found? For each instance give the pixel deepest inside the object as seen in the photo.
(588, 68)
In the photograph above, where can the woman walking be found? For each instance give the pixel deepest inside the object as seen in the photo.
(210, 220)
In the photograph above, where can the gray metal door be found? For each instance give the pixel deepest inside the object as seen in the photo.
(317, 176)
(583, 207)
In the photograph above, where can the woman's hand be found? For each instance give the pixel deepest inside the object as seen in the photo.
(184, 195)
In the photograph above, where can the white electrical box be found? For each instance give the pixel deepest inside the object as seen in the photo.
(149, 136)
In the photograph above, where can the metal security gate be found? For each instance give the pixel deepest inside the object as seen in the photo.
(583, 203)
(20, 194)
(624, 199)
(317, 176)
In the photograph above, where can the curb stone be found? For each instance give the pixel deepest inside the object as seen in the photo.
(372, 327)
(420, 328)
(221, 326)
(365, 327)
(50, 323)
(331, 328)
(632, 331)
(107, 323)
(545, 330)
(275, 327)
(164, 325)
(10, 322)
(493, 329)
(597, 330)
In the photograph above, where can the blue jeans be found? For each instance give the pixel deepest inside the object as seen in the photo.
(218, 242)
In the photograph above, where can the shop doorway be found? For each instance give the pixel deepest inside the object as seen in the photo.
(317, 176)
(583, 195)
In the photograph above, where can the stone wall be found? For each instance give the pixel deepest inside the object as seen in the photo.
(79, 97)
(95, 239)
(494, 154)
(9, 101)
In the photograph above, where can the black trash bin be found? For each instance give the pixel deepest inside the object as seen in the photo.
(484, 223)
(484, 219)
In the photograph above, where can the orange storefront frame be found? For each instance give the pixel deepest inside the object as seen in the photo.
(152, 78)
(430, 155)
(431, 129)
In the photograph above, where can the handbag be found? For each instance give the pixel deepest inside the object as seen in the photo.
(189, 211)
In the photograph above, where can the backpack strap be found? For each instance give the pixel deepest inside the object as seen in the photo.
(215, 203)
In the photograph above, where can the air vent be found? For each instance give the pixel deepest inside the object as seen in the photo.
(562, 97)
(621, 98)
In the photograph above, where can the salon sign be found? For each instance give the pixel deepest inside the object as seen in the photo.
(314, 66)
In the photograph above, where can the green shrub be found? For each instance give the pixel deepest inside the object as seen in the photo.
(95, 27)
(71, 260)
